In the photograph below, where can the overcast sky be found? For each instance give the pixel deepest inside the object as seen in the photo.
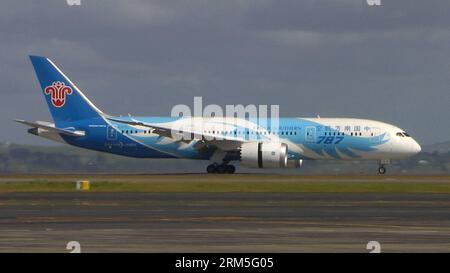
(329, 57)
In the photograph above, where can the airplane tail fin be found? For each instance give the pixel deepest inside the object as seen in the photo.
(65, 100)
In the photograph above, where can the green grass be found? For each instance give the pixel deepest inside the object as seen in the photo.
(227, 183)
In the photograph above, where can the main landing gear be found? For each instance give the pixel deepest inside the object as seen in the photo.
(382, 169)
(220, 168)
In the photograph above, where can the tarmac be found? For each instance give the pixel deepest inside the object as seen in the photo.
(224, 222)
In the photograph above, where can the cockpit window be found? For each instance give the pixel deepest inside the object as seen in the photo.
(402, 134)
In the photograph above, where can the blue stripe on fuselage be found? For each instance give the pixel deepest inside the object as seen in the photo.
(100, 137)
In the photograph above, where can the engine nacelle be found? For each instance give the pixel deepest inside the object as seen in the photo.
(264, 154)
(294, 163)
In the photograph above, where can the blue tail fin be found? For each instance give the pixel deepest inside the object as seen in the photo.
(65, 101)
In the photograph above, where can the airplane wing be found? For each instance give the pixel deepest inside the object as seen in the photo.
(51, 127)
(225, 142)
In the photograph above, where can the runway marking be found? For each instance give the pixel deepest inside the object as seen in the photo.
(205, 218)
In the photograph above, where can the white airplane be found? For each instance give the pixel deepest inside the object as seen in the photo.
(221, 140)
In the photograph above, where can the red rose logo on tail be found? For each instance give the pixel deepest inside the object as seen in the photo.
(58, 91)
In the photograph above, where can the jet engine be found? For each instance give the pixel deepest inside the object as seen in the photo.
(264, 154)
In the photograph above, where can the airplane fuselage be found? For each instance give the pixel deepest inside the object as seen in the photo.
(306, 138)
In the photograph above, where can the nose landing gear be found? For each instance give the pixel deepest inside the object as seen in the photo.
(381, 169)
(382, 166)
(220, 168)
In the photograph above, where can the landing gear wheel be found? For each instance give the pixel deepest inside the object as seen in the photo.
(230, 169)
(381, 170)
(221, 168)
(211, 168)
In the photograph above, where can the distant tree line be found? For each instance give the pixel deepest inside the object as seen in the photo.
(16, 158)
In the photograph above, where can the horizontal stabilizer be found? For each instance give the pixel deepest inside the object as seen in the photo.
(51, 127)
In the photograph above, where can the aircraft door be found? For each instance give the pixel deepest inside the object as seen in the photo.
(111, 133)
(310, 134)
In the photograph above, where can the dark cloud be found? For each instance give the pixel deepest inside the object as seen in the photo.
(346, 16)
(334, 58)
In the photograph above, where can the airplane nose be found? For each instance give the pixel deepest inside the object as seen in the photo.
(415, 147)
(405, 147)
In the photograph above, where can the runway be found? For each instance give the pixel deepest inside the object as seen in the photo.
(224, 222)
